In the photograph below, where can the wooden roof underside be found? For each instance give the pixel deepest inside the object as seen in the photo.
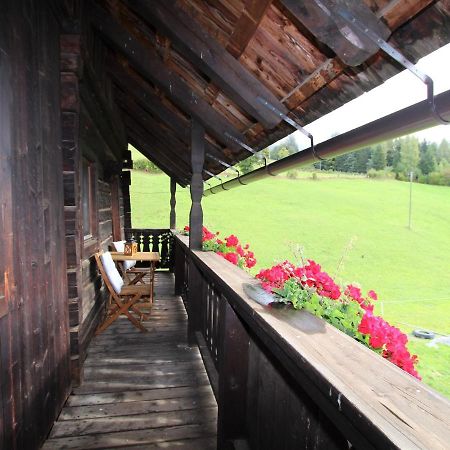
(212, 59)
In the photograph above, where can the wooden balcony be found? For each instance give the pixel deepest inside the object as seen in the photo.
(283, 379)
(141, 389)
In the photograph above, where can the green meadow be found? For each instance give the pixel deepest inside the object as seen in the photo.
(356, 228)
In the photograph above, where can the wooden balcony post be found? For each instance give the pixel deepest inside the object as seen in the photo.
(197, 161)
(233, 369)
(195, 227)
(173, 202)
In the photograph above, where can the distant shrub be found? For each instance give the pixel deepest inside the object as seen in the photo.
(372, 173)
(292, 174)
(146, 165)
(314, 176)
(441, 178)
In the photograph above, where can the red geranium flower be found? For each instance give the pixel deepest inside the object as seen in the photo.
(232, 257)
(232, 241)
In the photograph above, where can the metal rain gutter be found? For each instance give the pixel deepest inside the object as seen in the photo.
(414, 118)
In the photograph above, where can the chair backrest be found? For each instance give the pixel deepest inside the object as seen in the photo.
(120, 247)
(109, 272)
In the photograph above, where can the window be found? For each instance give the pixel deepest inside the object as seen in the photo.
(88, 199)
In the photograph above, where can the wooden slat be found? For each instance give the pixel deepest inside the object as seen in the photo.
(211, 58)
(191, 436)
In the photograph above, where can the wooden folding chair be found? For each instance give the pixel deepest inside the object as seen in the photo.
(130, 273)
(131, 301)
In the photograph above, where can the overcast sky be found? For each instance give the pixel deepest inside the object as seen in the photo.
(396, 93)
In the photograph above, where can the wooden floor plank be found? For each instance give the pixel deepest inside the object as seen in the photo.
(115, 424)
(136, 437)
(141, 390)
(135, 396)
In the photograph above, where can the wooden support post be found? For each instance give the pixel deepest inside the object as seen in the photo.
(195, 226)
(233, 370)
(173, 202)
(197, 161)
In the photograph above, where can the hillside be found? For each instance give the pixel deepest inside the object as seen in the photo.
(356, 224)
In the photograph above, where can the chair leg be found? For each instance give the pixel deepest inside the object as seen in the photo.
(121, 308)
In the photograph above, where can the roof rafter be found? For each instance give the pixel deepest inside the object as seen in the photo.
(211, 58)
(149, 64)
(152, 103)
(151, 149)
(171, 145)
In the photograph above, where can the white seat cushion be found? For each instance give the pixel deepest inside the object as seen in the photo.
(111, 272)
(120, 247)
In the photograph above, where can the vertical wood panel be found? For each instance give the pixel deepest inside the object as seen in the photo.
(233, 367)
(34, 354)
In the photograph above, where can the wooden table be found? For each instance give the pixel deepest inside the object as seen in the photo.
(152, 257)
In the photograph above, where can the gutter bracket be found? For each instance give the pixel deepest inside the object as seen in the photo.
(210, 187)
(248, 148)
(292, 123)
(215, 176)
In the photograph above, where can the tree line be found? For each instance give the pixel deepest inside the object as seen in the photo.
(428, 161)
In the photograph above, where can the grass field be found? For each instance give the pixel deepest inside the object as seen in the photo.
(356, 224)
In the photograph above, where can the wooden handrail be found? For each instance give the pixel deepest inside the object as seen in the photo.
(296, 376)
(154, 240)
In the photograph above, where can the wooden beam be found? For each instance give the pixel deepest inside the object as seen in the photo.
(155, 156)
(393, 14)
(137, 117)
(173, 202)
(167, 152)
(145, 102)
(247, 25)
(148, 63)
(210, 57)
(323, 21)
(197, 161)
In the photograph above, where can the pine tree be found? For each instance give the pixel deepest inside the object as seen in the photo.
(396, 156)
(427, 163)
(378, 159)
(361, 159)
(443, 151)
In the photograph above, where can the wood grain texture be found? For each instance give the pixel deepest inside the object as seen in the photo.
(197, 162)
(211, 58)
(34, 358)
(141, 389)
(334, 389)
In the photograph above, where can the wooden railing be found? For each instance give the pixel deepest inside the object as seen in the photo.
(286, 379)
(154, 240)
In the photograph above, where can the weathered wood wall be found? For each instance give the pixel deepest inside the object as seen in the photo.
(93, 131)
(34, 335)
